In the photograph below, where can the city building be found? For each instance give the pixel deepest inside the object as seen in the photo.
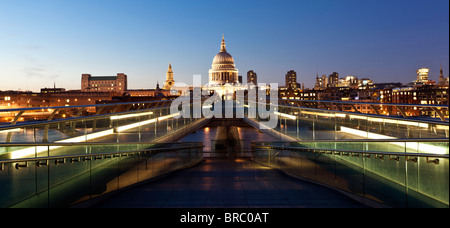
(223, 69)
(333, 79)
(352, 82)
(53, 90)
(169, 79)
(151, 93)
(422, 75)
(321, 83)
(252, 77)
(115, 84)
(442, 81)
(366, 83)
(429, 94)
(28, 99)
(291, 80)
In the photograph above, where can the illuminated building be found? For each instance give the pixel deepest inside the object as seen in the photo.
(365, 83)
(114, 84)
(422, 75)
(151, 93)
(223, 69)
(321, 83)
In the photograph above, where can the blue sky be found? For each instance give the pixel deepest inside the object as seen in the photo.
(42, 41)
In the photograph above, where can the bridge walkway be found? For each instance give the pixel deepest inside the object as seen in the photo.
(229, 183)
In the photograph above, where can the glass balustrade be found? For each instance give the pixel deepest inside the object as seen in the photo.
(317, 124)
(65, 175)
(114, 123)
(397, 177)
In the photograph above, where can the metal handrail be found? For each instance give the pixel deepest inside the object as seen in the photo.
(96, 154)
(360, 140)
(90, 144)
(354, 151)
(94, 117)
(372, 115)
(81, 106)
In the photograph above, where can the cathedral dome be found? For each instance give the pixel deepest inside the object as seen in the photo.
(223, 60)
(223, 68)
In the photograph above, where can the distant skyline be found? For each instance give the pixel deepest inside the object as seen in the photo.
(47, 41)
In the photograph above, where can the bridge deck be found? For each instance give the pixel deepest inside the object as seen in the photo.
(226, 182)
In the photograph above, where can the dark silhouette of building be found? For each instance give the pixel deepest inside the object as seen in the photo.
(333, 79)
(252, 77)
(291, 80)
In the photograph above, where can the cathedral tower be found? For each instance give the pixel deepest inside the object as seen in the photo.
(169, 79)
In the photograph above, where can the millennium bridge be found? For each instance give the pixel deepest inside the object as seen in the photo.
(320, 154)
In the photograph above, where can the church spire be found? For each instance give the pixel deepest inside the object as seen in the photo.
(170, 68)
(223, 47)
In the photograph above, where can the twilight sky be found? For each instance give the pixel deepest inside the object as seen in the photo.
(42, 41)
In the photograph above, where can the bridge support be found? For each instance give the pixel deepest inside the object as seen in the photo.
(227, 139)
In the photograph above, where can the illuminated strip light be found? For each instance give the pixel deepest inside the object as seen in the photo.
(442, 127)
(369, 135)
(342, 115)
(23, 153)
(286, 115)
(169, 116)
(419, 147)
(135, 125)
(11, 130)
(142, 123)
(130, 116)
(383, 120)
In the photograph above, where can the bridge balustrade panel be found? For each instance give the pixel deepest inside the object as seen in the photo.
(68, 174)
(405, 178)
